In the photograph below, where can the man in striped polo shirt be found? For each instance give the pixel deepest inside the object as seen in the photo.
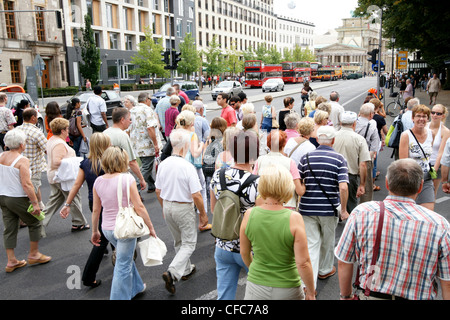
(414, 247)
(324, 169)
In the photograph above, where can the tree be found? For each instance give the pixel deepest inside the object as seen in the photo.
(261, 52)
(147, 60)
(233, 62)
(287, 54)
(416, 25)
(214, 59)
(273, 56)
(249, 54)
(90, 54)
(190, 59)
(298, 54)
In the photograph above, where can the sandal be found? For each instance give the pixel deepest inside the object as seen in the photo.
(80, 228)
(20, 264)
(376, 188)
(41, 260)
(206, 227)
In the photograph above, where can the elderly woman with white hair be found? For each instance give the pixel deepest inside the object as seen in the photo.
(16, 196)
(291, 121)
(247, 108)
(129, 101)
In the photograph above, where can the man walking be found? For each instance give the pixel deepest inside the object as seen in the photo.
(355, 150)
(228, 112)
(161, 108)
(35, 149)
(323, 169)
(121, 121)
(413, 255)
(178, 189)
(433, 88)
(97, 109)
(336, 110)
(367, 128)
(145, 137)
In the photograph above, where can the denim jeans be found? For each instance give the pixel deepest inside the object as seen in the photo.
(76, 143)
(126, 281)
(228, 267)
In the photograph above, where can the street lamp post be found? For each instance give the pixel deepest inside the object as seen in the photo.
(391, 78)
(77, 50)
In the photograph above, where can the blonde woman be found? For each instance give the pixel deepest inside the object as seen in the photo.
(320, 119)
(126, 282)
(90, 170)
(440, 133)
(273, 243)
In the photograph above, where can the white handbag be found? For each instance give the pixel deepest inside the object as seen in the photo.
(128, 223)
(152, 251)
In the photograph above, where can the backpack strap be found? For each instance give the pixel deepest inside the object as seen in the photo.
(223, 183)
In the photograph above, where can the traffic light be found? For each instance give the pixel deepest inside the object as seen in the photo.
(373, 56)
(59, 23)
(175, 59)
(166, 59)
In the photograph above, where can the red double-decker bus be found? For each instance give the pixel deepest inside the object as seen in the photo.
(315, 66)
(294, 72)
(256, 72)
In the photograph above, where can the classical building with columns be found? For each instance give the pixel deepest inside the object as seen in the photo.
(354, 39)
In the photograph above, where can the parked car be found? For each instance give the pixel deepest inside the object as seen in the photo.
(111, 98)
(15, 94)
(189, 87)
(274, 84)
(232, 88)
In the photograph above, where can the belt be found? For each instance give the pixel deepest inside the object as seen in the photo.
(383, 295)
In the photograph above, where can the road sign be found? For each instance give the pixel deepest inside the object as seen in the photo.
(375, 66)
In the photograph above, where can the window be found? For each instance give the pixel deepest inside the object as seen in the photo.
(181, 7)
(10, 20)
(128, 42)
(189, 27)
(179, 27)
(15, 71)
(40, 27)
(109, 15)
(113, 41)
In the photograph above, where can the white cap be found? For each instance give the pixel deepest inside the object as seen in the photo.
(327, 131)
(349, 117)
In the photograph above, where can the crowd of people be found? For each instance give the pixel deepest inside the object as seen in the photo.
(295, 179)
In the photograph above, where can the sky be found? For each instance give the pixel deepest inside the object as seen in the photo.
(325, 14)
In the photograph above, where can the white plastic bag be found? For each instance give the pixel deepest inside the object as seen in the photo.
(152, 251)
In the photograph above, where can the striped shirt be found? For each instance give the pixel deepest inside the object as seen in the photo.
(330, 168)
(414, 248)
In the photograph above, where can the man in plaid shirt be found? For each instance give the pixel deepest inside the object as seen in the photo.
(414, 247)
(35, 149)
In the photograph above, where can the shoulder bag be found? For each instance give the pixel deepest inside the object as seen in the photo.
(432, 172)
(128, 223)
(336, 209)
(376, 250)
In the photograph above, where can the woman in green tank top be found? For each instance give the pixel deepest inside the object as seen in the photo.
(277, 237)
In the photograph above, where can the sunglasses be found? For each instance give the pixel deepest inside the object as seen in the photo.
(436, 113)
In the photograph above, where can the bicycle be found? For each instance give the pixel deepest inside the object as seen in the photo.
(396, 106)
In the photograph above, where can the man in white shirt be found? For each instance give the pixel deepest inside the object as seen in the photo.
(336, 110)
(97, 108)
(178, 189)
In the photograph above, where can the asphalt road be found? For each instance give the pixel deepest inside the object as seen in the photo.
(61, 278)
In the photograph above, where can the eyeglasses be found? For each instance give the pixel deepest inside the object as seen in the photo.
(436, 113)
(421, 116)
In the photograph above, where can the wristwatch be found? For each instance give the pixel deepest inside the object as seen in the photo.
(66, 205)
(346, 297)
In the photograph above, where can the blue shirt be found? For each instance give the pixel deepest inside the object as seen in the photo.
(201, 127)
(160, 110)
(330, 168)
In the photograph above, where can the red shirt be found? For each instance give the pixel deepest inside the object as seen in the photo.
(229, 115)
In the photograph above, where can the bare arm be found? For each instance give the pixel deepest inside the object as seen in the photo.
(246, 246)
(25, 180)
(135, 168)
(345, 274)
(445, 289)
(198, 201)
(73, 192)
(96, 209)
(343, 191)
(403, 147)
(105, 119)
(140, 208)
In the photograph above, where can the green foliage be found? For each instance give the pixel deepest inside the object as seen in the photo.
(417, 25)
(214, 59)
(190, 58)
(90, 54)
(233, 63)
(148, 58)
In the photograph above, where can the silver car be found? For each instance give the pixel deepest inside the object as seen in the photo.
(274, 84)
(231, 88)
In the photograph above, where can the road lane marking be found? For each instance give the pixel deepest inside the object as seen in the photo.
(442, 199)
(351, 100)
(213, 294)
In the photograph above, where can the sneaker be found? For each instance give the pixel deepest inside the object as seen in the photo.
(325, 276)
(167, 277)
(186, 277)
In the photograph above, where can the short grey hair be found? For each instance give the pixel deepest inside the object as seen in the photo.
(14, 138)
(179, 139)
(366, 109)
(174, 100)
(170, 91)
(334, 96)
(131, 99)
(412, 103)
(291, 120)
(404, 177)
(143, 96)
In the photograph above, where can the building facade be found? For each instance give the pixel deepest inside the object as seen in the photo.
(119, 26)
(241, 23)
(21, 43)
(292, 32)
